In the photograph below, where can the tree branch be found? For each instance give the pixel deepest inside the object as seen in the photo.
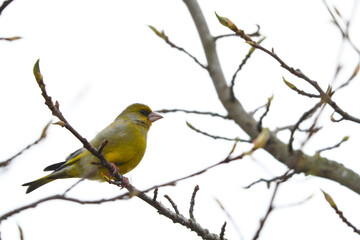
(42, 136)
(5, 4)
(298, 160)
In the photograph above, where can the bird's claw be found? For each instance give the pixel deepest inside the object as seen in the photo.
(116, 169)
(125, 182)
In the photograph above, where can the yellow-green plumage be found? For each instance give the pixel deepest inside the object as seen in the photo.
(126, 146)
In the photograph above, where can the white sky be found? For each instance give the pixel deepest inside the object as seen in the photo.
(99, 57)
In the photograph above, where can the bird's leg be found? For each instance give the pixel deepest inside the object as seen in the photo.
(125, 181)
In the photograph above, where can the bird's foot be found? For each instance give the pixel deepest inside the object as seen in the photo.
(125, 182)
(116, 169)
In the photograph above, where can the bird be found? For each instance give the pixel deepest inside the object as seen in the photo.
(126, 140)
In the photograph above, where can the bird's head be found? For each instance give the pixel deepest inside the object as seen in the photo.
(141, 114)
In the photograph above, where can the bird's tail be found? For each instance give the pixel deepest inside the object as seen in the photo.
(38, 183)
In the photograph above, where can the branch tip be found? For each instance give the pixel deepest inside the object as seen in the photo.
(192, 203)
(156, 190)
(172, 204)
(37, 74)
(222, 233)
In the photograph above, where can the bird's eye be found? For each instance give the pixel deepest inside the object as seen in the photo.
(144, 112)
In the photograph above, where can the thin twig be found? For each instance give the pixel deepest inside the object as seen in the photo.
(305, 116)
(339, 213)
(192, 203)
(228, 159)
(313, 129)
(290, 127)
(227, 213)
(166, 39)
(268, 104)
(254, 34)
(10, 39)
(301, 92)
(335, 120)
(172, 204)
(277, 179)
(344, 33)
(243, 62)
(42, 136)
(257, 109)
(297, 203)
(155, 194)
(193, 112)
(72, 186)
(335, 146)
(21, 233)
(222, 233)
(215, 136)
(270, 208)
(353, 75)
(60, 197)
(288, 174)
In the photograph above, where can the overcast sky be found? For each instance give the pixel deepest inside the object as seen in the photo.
(99, 57)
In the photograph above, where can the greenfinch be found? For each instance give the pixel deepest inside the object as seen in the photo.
(126, 138)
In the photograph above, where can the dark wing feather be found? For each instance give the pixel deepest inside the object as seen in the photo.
(55, 166)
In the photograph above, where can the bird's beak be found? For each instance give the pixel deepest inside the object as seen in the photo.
(154, 117)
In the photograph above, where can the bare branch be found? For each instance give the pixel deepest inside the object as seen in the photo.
(21, 233)
(254, 34)
(72, 186)
(339, 213)
(166, 39)
(230, 218)
(155, 194)
(247, 57)
(222, 233)
(353, 75)
(60, 197)
(344, 33)
(335, 120)
(301, 92)
(265, 113)
(335, 146)
(288, 174)
(259, 142)
(10, 39)
(228, 159)
(42, 136)
(305, 116)
(277, 179)
(214, 136)
(4, 5)
(269, 210)
(296, 203)
(193, 112)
